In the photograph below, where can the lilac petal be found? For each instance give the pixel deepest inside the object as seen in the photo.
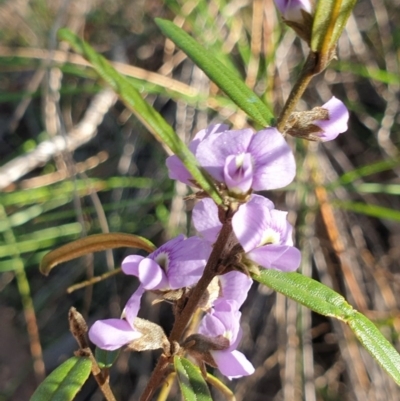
(205, 219)
(151, 275)
(130, 265)
(111, 334)
(224, 320)
(232, 364)
(238, 173)
(280, 224)
(337, 123)
(274, 163)
(132, 307)
(187, 262)
(214, 149)
(211, 326)
(280, 257)
(235, 286)
(251, 220)
(176, 169)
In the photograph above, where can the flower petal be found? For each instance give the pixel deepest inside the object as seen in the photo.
(214, 149)
(205, 219)
(130, 265)
(251, 220)
(111, 334)
(274, 163)
(280, 257)
(338, 118)
(238, 173)
(151, 275)
(187, 262)
(235, 286)
(232, 364)
(132, 307)
(176, 169)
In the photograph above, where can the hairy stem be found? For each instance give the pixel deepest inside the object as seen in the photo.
(307, 73)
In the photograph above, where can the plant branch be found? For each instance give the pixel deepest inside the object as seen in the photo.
(310, 69)
(222, 247)
(78, 328)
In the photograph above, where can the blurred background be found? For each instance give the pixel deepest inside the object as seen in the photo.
(74, 162)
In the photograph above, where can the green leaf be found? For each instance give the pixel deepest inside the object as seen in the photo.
(64, 382)
(329, 21)
(149, 117)
(377, 345)
(307, 292)
(104, 358)
(327, 302)
(368, 209)
(191, 382)
(223, 77)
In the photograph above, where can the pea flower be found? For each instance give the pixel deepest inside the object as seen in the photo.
(112, 334)
(336, 123)
(263, 232)
(177, 264)
(241, 159)
(224, 320)
(231, 286)
(323, 123)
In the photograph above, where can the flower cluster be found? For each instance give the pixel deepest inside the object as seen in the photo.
(240, 162)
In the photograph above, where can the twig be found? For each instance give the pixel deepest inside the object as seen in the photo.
(84, 131)
(78, 328)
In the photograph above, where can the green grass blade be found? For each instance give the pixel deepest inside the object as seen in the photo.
(370, 210)
(350, 176)
(149, 117)
(223, 77)
(65, 381)
(191, 382)
(327, 302)
(365, 71)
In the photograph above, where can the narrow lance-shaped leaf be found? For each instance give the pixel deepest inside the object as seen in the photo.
(150, 118)
(64, 382)
(329, 21)
(236, 89)
(326, 301)
(191, 382)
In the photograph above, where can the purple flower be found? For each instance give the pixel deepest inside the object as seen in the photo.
(291, 9)
(262, 231)
(337, 122)
(224, 321)
(176, 169)
(111, 334)
(176, 264)
(232, 286)
(241, 159)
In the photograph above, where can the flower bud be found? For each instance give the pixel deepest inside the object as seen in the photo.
(298, 14)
